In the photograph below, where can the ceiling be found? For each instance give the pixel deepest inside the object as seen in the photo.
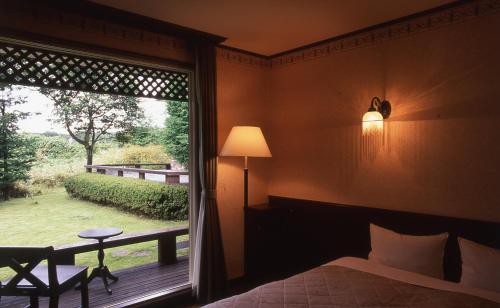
(268, 27)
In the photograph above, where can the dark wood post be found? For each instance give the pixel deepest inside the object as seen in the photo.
(142, 175)
(120, 172)
(65, 259)
(167, 250)
(172, 179)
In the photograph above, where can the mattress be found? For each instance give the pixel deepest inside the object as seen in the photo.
(353, 282)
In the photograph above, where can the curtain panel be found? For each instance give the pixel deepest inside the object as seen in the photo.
(209, 271)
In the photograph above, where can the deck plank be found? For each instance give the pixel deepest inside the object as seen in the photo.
(133, 282)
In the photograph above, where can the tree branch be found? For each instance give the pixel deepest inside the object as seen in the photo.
(80, 141)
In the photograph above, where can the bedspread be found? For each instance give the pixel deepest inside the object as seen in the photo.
(336, 286)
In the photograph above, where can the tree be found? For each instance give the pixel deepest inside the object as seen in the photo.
(16, 152)
(176, 136)
(142, 135)
(88, 117)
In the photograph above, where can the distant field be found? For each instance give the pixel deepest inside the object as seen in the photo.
(55, 219)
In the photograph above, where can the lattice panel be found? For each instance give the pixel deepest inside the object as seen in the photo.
(38, 67)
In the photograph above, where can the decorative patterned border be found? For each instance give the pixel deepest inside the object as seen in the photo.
(234, 56)
(403, 29)
(447, 16)
(60, 24)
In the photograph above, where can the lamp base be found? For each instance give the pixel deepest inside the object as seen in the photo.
(245, 188)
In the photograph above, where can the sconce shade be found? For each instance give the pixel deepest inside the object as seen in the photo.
(246, 141)
(373, 121)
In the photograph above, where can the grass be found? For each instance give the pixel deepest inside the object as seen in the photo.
(55, 219)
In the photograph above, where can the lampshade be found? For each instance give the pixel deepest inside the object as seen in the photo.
(246, 141)
(372, 121)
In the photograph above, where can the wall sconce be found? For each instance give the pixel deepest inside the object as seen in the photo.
(373, 120)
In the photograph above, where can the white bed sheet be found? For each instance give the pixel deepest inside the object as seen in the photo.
(412, 278)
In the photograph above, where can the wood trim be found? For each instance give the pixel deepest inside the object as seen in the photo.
(438, 9)
(118, 16)
(445, 15)
(237, 56)
(122, 240)
(91, 24)
(176, 297)
(74, 47)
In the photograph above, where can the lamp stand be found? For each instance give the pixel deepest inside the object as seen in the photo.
(245, 184)
(245, 219)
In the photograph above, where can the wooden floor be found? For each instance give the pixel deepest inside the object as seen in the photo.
(133, 282)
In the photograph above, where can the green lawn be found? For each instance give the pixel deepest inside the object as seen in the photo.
(55, 219)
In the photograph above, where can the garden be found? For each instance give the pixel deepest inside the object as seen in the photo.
(47, 198)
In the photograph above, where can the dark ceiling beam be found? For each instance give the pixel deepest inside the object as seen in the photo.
(97, 11)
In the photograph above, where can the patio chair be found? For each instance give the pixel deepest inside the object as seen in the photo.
(34, 279)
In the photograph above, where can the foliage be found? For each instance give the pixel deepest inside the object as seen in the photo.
(146, 154)
(50, 147)
(17, 152)
(153, 199)
(132, 154)
(176, 134)
(54, 219)
(22, 189)
(140, 135)
(88, 117)
(52, 172)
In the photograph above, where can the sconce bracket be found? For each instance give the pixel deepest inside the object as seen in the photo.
(382, 106)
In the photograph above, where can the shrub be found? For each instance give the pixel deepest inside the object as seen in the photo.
(53, 172)
(50, 147)
(21, 189)
(132, 154)
(149, 198)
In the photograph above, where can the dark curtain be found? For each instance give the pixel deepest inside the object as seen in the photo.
(209, 270)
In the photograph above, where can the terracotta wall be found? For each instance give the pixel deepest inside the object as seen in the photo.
(440, 152)
(242, 94)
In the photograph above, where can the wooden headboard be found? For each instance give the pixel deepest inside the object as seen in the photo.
(314, 233)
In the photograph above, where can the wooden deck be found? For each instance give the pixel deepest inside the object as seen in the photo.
(133, 282)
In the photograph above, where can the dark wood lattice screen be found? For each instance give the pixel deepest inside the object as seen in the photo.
(38, 67)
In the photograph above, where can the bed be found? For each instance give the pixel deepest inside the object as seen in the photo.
(279, 245)
(357, 282)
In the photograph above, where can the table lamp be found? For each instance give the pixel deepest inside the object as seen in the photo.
(246, 141)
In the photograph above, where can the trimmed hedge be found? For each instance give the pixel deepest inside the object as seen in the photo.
(152, 199)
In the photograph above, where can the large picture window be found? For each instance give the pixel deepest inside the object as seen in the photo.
(90, 141)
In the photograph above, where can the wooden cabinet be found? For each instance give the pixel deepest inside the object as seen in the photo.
(278, 241)
(265, 233)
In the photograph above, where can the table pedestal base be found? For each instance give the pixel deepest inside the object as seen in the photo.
(104, 273)
(100, 234)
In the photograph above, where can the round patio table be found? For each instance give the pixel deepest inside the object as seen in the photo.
(100, 234)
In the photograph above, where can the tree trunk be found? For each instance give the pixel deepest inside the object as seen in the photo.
(5, 156)
(90, 154)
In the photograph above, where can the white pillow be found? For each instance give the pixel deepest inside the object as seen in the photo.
(480, 265)
(418, 254)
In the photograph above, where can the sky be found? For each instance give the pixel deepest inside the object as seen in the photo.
(154, 111)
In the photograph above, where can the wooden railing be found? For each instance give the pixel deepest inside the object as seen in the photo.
(171, 177)
(166, 237)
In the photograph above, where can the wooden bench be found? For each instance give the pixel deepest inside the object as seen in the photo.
(171, 177)
(166, 237)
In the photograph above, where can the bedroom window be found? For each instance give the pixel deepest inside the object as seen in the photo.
(92, 141)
